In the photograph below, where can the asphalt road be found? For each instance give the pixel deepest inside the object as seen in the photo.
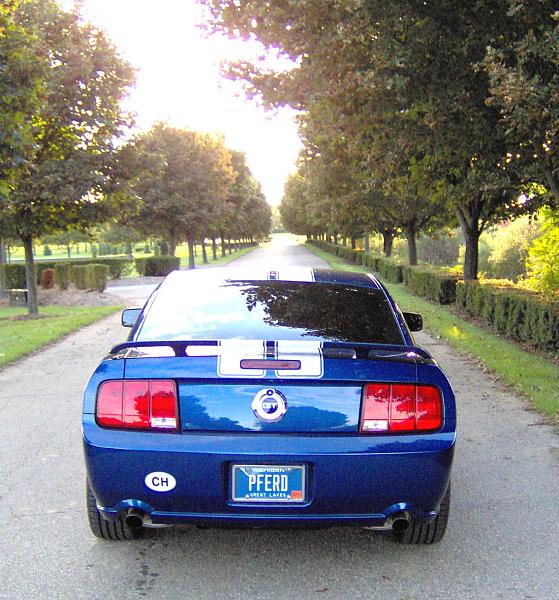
(502, 541)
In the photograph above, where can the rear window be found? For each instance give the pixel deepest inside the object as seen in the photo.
(271, 310)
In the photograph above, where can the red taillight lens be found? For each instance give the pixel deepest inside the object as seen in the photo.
(137, 404)
(400, 408)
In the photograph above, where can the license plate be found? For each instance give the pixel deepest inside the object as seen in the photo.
(268, 483)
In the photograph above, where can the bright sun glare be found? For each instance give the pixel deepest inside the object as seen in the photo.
(178, 80)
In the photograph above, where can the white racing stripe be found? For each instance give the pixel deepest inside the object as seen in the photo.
(231, 352)
(308, 353)
(292, 274)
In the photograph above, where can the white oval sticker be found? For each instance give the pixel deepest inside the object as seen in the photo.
(160, 481)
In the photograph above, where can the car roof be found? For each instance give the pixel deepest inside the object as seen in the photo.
(215, 275)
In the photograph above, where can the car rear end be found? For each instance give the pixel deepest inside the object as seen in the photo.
(309, 407)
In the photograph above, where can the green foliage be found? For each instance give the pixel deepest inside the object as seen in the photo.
(70, 128)
(442, 250)
(430, 283)
(79, 278)
(157, 266)
(63, 275)
(182, 179)
(519, 314)
(523, 66)
(90, 277)
(96, 276)
(14, 276)
(543, 259)
(509, 249)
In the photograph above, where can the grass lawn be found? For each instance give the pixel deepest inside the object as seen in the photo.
(530, 375)
(20, 337)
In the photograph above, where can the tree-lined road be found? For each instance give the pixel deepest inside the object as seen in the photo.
(502, 541)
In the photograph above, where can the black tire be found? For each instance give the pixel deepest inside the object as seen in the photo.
(430, 533)
(107, 530)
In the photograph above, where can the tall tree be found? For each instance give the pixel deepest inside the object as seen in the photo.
(523, 65)
(373, 63)
(182, 178)
(73, 126)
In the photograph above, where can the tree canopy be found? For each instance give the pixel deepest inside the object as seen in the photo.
(61, 149)
(401, 96)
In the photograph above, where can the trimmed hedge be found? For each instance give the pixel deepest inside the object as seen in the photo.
(157, 266)
(14, 276)
(430, 283)
(389, 269)
(90, 277)
(519, 314)
(63, 275)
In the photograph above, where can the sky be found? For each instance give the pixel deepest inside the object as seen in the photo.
(178, 80)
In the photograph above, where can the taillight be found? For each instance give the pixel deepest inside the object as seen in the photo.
(400, 408)
(137, 404)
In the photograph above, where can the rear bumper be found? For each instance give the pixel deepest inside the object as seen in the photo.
(351, 479)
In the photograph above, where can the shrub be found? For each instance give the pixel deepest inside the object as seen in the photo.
(90, 277)
(46, 250)
(543, 256)
(118, 267)
(47, 278)
(14, 276)
(79, 276)
(157, 266)
(96, 276)
(390, 270)
(63, 275)
(519, 314)
(431, 283)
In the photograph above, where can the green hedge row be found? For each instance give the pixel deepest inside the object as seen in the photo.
(14, 273)
(157, 266)
(90, 277)
(519, 314)
(431, 283)
(423, 281)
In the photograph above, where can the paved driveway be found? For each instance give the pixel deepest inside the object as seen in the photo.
(502, 541)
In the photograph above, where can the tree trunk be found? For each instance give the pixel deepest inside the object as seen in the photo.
(172, 243)
(3, 292)
(129, 248)
(32, 307)
(204, 252)
(191, 253)
(367, 245)
(471, 257)
(214, 248)
(229, 245)
(335, 238)
(353, 243)
(223, 248)
(68, 250)
(411, 236)
(469, 222)
(344, 241)
(387, 242)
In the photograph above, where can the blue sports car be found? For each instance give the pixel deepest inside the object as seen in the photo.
(288, 398)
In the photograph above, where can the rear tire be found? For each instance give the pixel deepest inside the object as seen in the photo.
(429, 533)
(107, 530)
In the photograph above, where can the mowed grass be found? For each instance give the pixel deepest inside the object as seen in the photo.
(22, 336)
(531, 375)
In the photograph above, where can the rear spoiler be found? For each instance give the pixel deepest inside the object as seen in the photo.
(205, 348)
